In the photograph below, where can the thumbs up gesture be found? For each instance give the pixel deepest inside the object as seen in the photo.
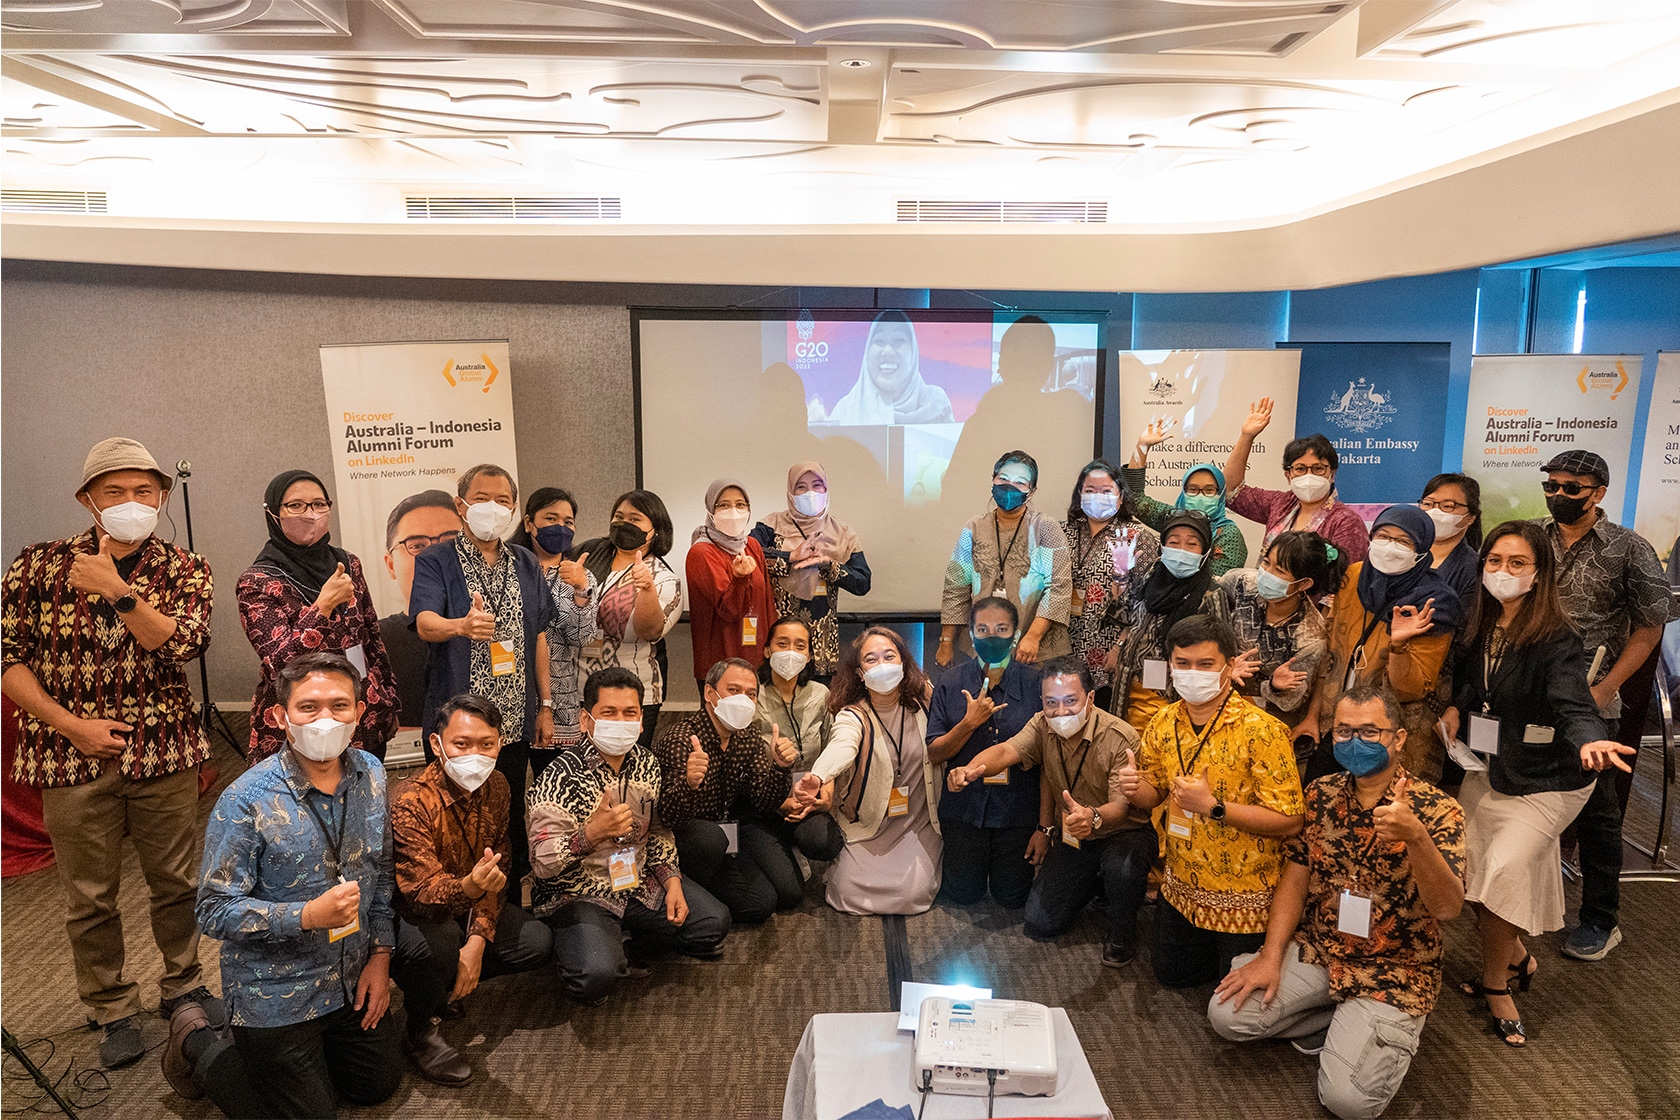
(957, 778)
(698, 761)
(486, 876)
(1077, 820)
(574, 572)
(1394, 819)
(336, 592)
(609, 820)
(783, 752)
(478, 623)
(97, 574)
(1194, 795)
(1129, 778)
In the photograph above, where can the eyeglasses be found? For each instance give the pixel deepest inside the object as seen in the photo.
(419, 543)
(298, 509)
(1202, 489)
(1570, 489)
(1398, 536)
(1444, 505)
(1342, 733)
(1296, 470)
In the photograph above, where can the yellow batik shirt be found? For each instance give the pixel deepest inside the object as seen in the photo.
(1222, 878)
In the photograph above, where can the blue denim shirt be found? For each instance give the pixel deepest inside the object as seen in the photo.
(265, 855)
(980, 805)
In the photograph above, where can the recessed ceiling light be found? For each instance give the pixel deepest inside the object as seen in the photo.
(855, 63)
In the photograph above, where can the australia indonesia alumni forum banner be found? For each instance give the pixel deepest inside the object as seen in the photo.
(405, 419)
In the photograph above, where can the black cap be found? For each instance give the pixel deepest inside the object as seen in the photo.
(1195, 519)
(1576, 461)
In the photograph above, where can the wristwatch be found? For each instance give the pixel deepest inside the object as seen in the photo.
(127, 603)
(1217, 813)
(548, 703)
(1048, 830)
(1096, 820)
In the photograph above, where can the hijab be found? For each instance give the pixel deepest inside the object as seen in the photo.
(836, 536)
(1218, 517)
(917, 403)
(309, 566)
(1380, 594)
(710, 531)
(1168, 597)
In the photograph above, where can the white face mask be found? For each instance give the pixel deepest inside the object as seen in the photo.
(129, 521)
(323, 740)
(732, 522)
(1198, 685)
(1446, 524)
(1310, 487)
(884, 677)
(735, 712)
(1065, 726)
(616, 736)
(489, 521)
(786, 663)
(810, 503)
(1504, 586)
(469, 771)
(1391, 557)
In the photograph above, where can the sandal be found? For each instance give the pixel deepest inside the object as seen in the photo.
(1510, 1031)
(1523, 976)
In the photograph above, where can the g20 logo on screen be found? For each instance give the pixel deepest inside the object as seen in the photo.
(817, 350)
(809, 349)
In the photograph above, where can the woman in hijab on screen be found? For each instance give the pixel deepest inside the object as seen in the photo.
(889, 388)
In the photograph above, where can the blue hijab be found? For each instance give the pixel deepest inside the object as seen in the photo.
(1380, 594)
(1217, 515)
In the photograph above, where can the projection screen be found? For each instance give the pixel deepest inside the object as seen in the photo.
(906, 410)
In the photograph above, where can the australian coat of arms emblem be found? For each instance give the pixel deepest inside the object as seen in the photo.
(1361, 408)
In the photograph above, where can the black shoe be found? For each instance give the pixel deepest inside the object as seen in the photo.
(712, 953)
(436, 1060)
(1116, 955)
(214, 1009)
(452, 1010)
(121, 1045)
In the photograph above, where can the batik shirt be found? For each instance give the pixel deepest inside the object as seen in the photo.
(441, 831)
(1302, 639)
(1400, 962)
(738, 781)
(571, 627)
(1103, 570)
(274, 842)
(614, 640)
(87, 660)
(1028, 565)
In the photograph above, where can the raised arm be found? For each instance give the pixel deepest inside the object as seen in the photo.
(1236, 464)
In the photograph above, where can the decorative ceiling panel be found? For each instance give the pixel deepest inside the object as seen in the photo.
(176, 17)
(1577, 33)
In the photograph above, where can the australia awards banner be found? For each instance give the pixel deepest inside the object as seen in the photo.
(1657, 517)
(1380, 404)
(406, 418)
(1207, 393)
(1526, 408)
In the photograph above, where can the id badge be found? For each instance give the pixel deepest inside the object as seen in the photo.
(749, 630)
(1155, 674)
(339, 933)
(1484, 734)
(1353, 914)
(1178, 823)
(501, 658)
(731, 837)
(820, 591)
(1535, 733)
(593, 650)
(621, 865)
(1068, 837)
(357, 656)
(1078, 607)
(898, 802)
(1001, 778)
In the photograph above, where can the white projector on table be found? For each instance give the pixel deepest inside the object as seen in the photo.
(960, 1041)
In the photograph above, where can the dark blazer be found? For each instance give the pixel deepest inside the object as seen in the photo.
(1542, 687)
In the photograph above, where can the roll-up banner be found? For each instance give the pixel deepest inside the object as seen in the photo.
(1207, 394)
(1526, 408)
(1381, 406)
(1657, 516)
(406, 418)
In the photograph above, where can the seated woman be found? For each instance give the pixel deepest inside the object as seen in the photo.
(303, 595)
(729, 605)
(547, 529)
(1179, 585)
(1016, 553)
(1522, 693)
(1454, 503)
(1394, 617)
(812, 556)
(1108, 545)
(887, 803)
(1309, 463)
(793, 717)
(1202, 490)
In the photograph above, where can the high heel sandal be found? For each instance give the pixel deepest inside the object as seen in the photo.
(1522, 975)
(1510, 1031)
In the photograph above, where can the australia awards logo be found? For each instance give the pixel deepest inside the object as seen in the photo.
(1361, 408)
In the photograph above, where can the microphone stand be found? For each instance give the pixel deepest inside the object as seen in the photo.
(213, 721)
(10, 1042)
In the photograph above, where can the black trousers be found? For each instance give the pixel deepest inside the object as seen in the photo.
(589, 939)
(513, 762)
(429, 954)
(1070, 876)
(975, 858)
(300, 1070)
(763, 877)
(1187, 955)
(1598, 836)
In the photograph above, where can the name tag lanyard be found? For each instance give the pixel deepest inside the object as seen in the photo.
(335, 845)
(1072, 786)
(1356, 662)
(897, 743)
(1004, 553)
(1184, 767)
(496, 601)
(792, 723)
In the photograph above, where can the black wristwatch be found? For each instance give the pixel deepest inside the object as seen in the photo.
(1048, 830)
(1217, 813)
(126, 603)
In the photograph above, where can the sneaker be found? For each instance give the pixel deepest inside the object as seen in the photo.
(121, 1045)
(1587, 942)
(214, 1009)
(1116, 955)
(177, 1067)
(1311, 1044)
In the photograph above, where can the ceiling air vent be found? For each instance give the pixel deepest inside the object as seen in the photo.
(505, 209)
(941, 210)
(53, 202)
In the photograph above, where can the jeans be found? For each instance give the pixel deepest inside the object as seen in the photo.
(1068, 880)
(975, 857)
(589, 938)
(299, 1070)
(513, 762)
(429, 953)
(1367, 1051)
(1187, 955)
(763, 876)
(1598, 834)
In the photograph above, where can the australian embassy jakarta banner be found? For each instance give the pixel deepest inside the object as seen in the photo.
(1381, 406)
(406, 418)
(1526, 408)
(1657, 517)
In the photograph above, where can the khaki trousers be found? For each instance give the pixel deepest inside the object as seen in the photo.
(86, 823)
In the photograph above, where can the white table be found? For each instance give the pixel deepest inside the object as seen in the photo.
(846, 1061)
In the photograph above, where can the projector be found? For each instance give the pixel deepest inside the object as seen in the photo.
(959, 1042)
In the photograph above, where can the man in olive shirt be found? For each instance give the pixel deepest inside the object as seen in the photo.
(1096, 836)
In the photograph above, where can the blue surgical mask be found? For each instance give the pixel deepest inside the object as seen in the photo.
(1202, 503)
(1007, 497)
(1270, 587)
(1100, 507)
(993, 650)
(1361, 757)
(556, 540)
(1181, 562)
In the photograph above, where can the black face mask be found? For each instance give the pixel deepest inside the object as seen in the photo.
(626, 537)
(1567, 511)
